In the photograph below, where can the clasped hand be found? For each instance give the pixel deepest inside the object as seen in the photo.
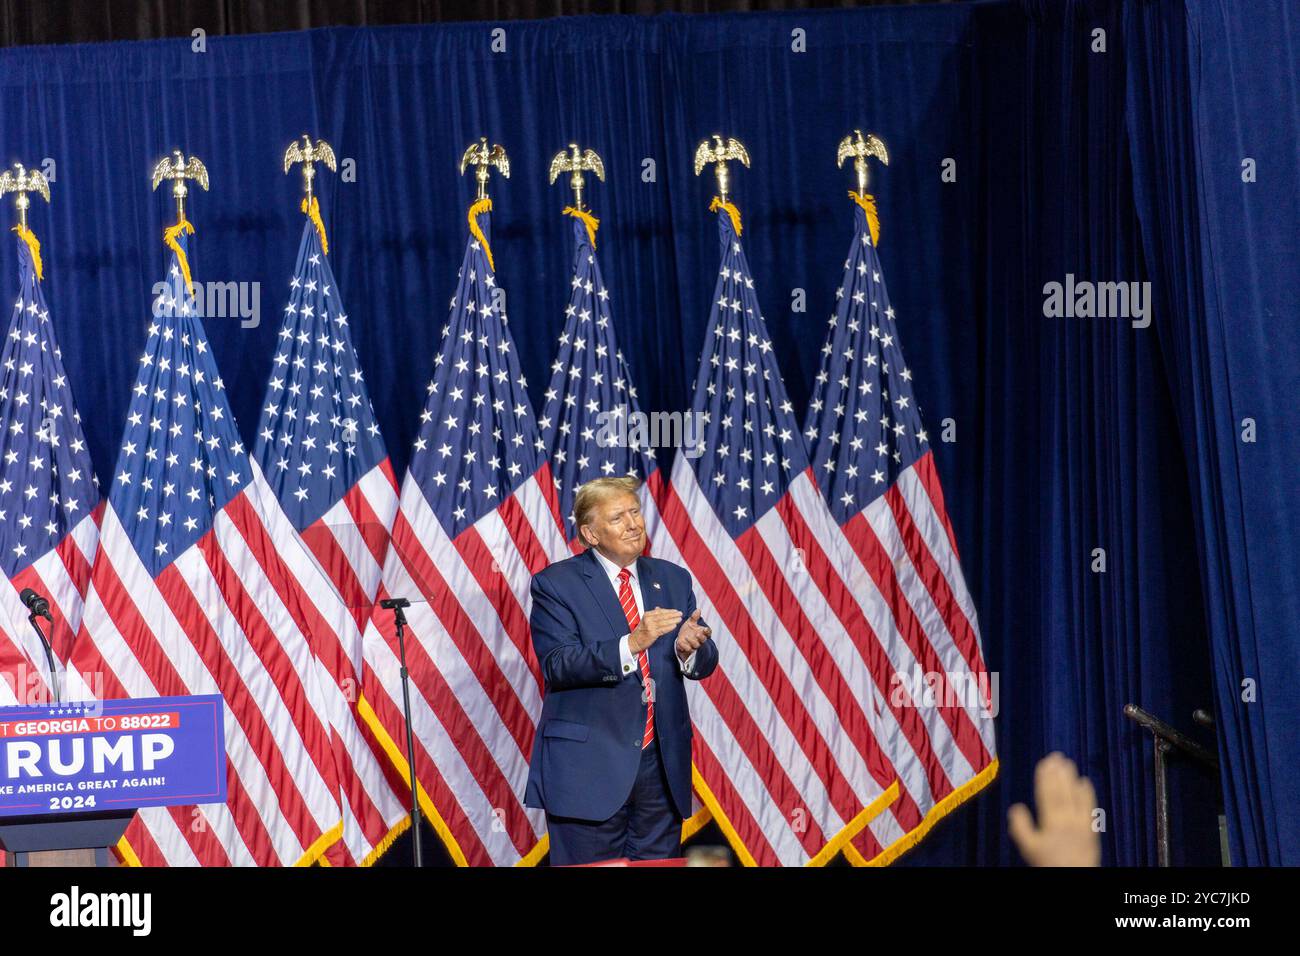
(659, 621)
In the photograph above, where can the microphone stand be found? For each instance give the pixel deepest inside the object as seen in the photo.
(49, 657)
(399, 619)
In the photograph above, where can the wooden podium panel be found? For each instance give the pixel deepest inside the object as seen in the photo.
(97, 857)
(63, 839)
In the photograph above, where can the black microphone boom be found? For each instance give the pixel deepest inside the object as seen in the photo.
(37, 605)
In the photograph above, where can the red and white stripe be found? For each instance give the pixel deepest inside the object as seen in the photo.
(787, 727)
(351, 539)
(652, 492)
(901, 555)
(226, 617)
(344, 548)
(476, 688)
(61, 574)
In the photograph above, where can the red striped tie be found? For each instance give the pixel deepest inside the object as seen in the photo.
(633, 619)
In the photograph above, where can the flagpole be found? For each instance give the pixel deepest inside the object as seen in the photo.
(482, 156)
(23, 181)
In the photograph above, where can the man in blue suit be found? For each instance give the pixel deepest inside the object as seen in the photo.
(616, 634)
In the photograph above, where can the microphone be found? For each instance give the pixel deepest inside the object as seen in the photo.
(393, 603)
(37, 605)
(40, 607)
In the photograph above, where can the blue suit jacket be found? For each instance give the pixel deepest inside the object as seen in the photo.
(588, 745)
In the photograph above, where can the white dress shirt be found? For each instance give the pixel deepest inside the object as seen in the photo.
(629, 660)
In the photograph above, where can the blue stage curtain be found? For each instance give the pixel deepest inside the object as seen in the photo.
(1213, 86)
(1070, 434)
(1077, 448)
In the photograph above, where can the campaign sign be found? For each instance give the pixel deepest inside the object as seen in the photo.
(112, 755)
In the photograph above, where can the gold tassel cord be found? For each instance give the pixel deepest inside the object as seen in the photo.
(313, 213)
(588, 220)
(34, 247)
(730, 209)
(868, 204)
(170, 238)
(482, 205)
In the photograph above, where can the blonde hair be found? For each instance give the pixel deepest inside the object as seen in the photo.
(597, 490)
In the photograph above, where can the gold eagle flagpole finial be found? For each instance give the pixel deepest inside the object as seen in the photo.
(720, 152)
(483, 156)
(860, 147)
(178, 169)
(309, 154)
(576, 161)
(23, 181)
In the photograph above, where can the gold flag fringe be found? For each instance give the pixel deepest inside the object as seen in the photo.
(940, 810)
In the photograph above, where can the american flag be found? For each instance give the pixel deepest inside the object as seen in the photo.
(786, 748)
(195, 590)
(49, 495)
(586, 410)
(917, 631)
(590, 406)
(321, 452)
(478, 517)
